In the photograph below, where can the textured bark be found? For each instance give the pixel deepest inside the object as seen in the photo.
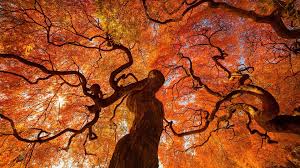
(268, 117)
(138, 149)
(284, 124)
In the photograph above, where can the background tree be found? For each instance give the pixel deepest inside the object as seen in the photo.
(225, 70)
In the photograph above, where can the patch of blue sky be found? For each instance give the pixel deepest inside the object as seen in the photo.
(188, 142)
(206, 23)
(187, 99)
(124, 128)
(203, 23)
(186, 45)
(170, 79)
(154, 29)
(242, 62)
(242, 20)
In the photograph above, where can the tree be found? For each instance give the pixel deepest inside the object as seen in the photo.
(74, 75)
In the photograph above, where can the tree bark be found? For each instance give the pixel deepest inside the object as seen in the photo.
(283, 124)
(139, 148)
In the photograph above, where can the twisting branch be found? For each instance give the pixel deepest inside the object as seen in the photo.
(124, 76)
(112, 79)
(254, 131)
(120, 92)
(197, 78)
(80, 76)
(189, 8)
(43, 21)
(207, 139)
(26, 79)
(185, 133)
(274, 19)
(43, 139)
(222, 54)
(84, 146)
(268, 118)
(115, 109)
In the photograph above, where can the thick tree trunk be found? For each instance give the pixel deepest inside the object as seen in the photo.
(138, 149)
(283, 124)
(268, 117)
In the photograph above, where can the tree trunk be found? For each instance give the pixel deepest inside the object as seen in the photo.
(138, 149)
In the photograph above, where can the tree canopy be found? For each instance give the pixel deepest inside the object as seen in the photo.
(149, 83)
